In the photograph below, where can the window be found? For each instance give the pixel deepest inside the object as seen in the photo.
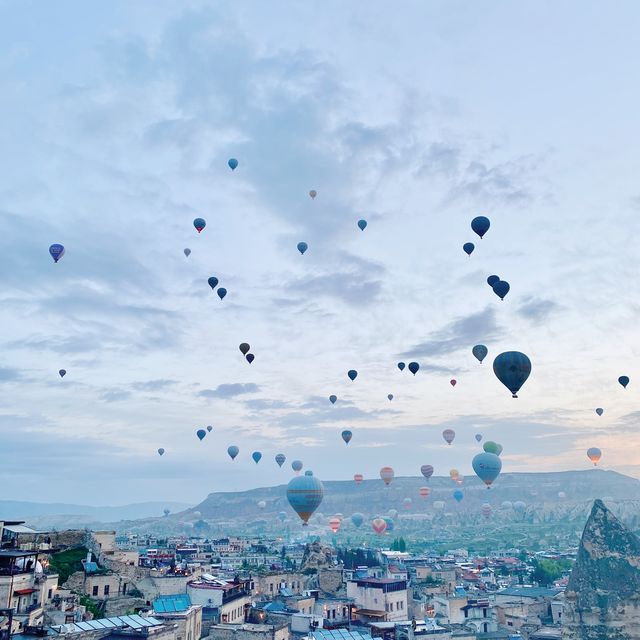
(106, 589)
(484, 613)
(49, 596)
(94, 591)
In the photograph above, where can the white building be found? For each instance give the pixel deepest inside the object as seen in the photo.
(379, 599)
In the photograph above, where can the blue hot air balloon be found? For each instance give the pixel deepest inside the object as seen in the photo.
(250, 357)
(414, 367)
(512, 368)
(333, 399)
(478, 437)
(199, 224)
(280, 459)
(187, 252)
(480, 352)
(209, 428)
(357, 519)
(501, 288)
(213, 282)
(233, 163)
(362, 224)
(347, 435)
(401, 366)
(390, 523)
(222, 292)
(56, 251)
(491, 280)
(390, 397)
(305, 494)
(233, 451)
(468, 248)
(353, 374)
(62, 373)
(624, 381)
(257, 456)
(480, 225)
(160, 451)
(599, 411)
(302, 247)
(296, 465)
(201, 433)
(458, 495)
(487, 467)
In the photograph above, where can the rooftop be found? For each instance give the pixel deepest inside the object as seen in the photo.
(529, 592)
(134, 622)
(172, 604)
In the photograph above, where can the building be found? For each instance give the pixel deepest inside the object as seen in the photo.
(271, 583)
(223, 601)
(179, 610)
(249, 632)
(379, 599)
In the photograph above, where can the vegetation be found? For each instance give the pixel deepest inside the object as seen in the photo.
(352, 558)
(67, 562)
(399, 544)
(546, 571)
(92, 607)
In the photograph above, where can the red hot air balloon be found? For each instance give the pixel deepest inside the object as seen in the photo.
(334, 524)
(358, 478)
(379, 526)
(424, 492)
(386, 473)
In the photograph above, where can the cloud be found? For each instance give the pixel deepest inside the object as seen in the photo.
(153, 385)
(461, 333)
(115, 395)
(8, 374)
(229, 390)
(537, 309)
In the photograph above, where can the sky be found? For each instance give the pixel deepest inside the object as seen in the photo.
(118, 119)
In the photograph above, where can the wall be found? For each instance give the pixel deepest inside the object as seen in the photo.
(249, 632)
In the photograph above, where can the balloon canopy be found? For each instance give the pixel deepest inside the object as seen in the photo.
(487, 467)
(512, 368)
(480, 225)
(305, 494)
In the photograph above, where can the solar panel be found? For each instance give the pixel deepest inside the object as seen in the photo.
(95, 624)
(108, 623)
(83, 626)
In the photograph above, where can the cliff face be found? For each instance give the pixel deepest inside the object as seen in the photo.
(603, 596)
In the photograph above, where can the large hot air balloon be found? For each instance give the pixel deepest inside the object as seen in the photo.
(386, 473)
(492, 447)
(333, 399)
(187, 252)
(160, 451)
(379, 525)
(426, 470)
(244, 347)
(257, 456)
(390, 397)
(424, 492)
(458, 495)
(486, 510)
(62, 373)
(201, 433)
(448, 435)
(478, 437)
(233, 163)
(407, 502)
(302, 247)
(624, 381)
(501, 288)
(353, 374)
(480, 225)
(213, 282)
(280, 459)
(414, 367)
(357, 519)
(305, 494)
(487, 467)
(334, 524)
(233, 451)
(512, 368)
(296, 465)
(222, 292)
(199, 224)
(468, 248)
(401, 366)
(313, 193)
(56, 251)
(347, 435)
(480, 352)
(358, 478)
(594, 454)
(491, 280)
(362, 224)
(599, 411)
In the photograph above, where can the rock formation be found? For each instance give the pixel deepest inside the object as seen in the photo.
(603, 595)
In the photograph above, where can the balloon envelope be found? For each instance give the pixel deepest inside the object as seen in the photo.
(296, 465)
(401, 365)
(414, 367)
(599, 411)
(222, 292)
(233, 451)
(478, 437)
(313, 193)
(280, 459)
(161, 451)
(209, 428)
(448, 435)
(333, 399)
(426, 470)
(302, 247)
(250, 357)
(458, 495)
(257, 456)
(199, 224)
(379, 525)
(594, 454)
(491, 280)
(334, 524)
(362, 224)
(347, 435)
(56, 251)
(213, 282)
(512, 368)
(492, 447)
(357, 519)
(390, 397)
(424, 492)
(480, 352)
(187, 252)
(62, 373)
(624, 381)
(305, 494)
(244, 348)
(486, 510)
(501, 288)
(480, 225)
(201, 433)
(353, 374)
(386, 473)
(468, 248)
(233, 163)
(358, 478)
(487, 467)
(453, 383)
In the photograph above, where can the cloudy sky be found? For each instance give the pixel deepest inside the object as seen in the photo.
(118, 119)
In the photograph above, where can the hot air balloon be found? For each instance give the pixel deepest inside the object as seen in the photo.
(296, 465)
(486, 510)
(468, 248)
(407, 502)
(454, 473)
(56, 251)
(448, 435)
(201, 433)
(562, 495)
(209, 428)
(501, 288)
(213, 282)
(358, 478)
(333, 399)
(599, 411)
(594, 454)
(438, 505)
(250, 357)
(379, 525)
(353, 374)
(187, 252)
(233, 163)
(257, 456)
(334, 524)
(244, 348)
(233, 451)
(492, 447)
(453, 383)
(480, 352)
(347, 435)
(414, 367)
(313, 193)
(390, 397)
(480, 225)
(491, 280)
(519, 507)
(507, 504)
(487, 467)
(199, 224)
(262, 504)
(386, 473)
(478, 437)
(401, 366)
(458, 495)
(512, 368)
(222, 292)
(305, 494)
(362, 224)
(302, 247)
(160, 451)
(624, 381)
(426, 470)
(62, 373)
(357, 519)
(390, 523)
(424, 492)
(280, 459)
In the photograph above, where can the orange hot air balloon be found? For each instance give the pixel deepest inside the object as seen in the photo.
(454, 474)
(594, 454)
(424, 492)
(334, 524)
(379, 526)
(358, 478)
(386, 473)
